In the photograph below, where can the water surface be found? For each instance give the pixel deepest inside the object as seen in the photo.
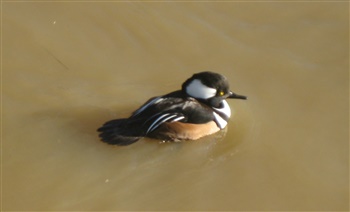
(69, 67)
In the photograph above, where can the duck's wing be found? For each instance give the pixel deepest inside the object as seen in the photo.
(171, 108)
(156, 111)
(144, 120)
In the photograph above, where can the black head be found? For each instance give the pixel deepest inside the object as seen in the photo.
(209, 87)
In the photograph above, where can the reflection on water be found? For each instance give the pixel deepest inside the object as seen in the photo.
(69, 67)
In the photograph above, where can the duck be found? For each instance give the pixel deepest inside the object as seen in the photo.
(198, 109)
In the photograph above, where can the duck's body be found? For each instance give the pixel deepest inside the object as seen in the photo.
(199, 109)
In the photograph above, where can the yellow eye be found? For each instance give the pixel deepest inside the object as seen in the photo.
(221, 93)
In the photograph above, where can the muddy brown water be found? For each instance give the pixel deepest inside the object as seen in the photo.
(67, 67)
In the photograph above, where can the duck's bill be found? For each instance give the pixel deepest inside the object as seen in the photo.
(236, 96)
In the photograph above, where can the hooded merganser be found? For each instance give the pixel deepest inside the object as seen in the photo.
(197, 110)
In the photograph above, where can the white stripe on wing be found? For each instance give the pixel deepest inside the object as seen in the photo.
(153, 101)
(163, 118)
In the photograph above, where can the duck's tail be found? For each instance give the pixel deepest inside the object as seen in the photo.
(118, 132)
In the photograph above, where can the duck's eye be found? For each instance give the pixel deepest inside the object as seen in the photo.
(221, 93)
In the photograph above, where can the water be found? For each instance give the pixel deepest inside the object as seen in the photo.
(69, 67)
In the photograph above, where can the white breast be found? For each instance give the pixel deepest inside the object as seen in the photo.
(226, 111)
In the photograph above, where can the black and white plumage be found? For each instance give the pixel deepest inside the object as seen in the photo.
(197, 110)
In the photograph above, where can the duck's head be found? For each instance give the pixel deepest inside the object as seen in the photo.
(209, 87)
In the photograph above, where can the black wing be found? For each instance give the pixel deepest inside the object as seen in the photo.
(170, 108)
(156, 111)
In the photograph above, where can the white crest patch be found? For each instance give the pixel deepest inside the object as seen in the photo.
(198, 90)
